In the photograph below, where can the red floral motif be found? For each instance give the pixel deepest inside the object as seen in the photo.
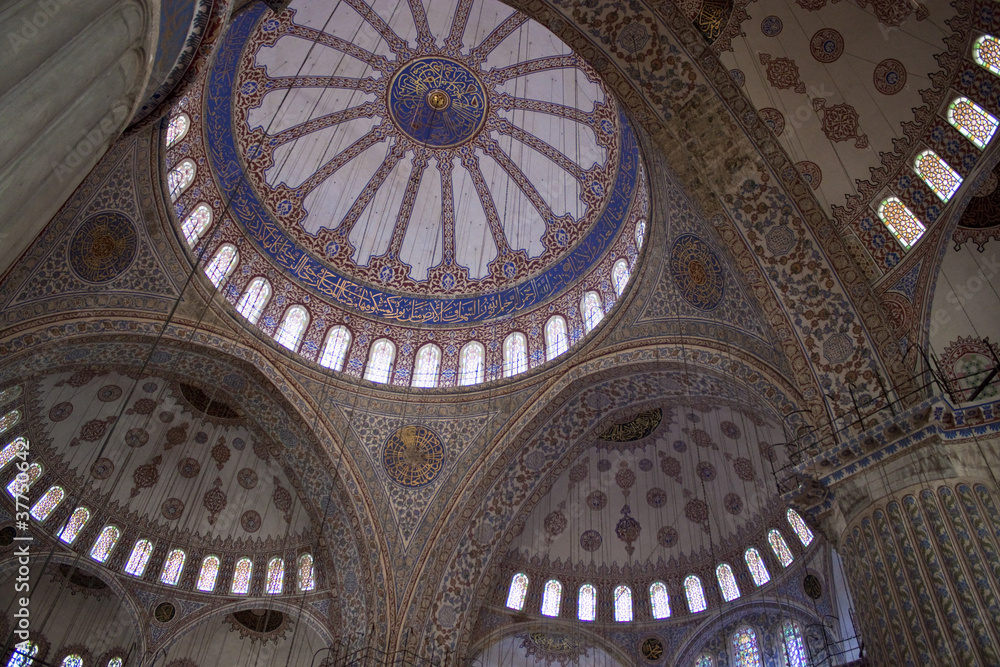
(215, 501)
(579, 472)
(894, 12)
(671, 467)
(144, 406)
(176, 436)
(625, 478)
(783, 73)
(282, 500)
(145, 476)
(78, 379)
(628, 530)
(93, 430)
(840, 123)
(774, 120)
(555, 523)
(220, 453)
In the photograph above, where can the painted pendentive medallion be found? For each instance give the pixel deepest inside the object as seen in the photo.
(413, 456)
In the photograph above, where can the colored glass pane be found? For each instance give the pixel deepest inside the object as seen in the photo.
(727, 582)
(551, 598)
(222, 263)
(43, 508)
(209, 571)
(795, 647)
(105, 542)
(640, 233)
(254, 299)
(9, 394)
(620, 276)
(425, 371)
(180, 178)
(593, 311)
(977, 124)
(177, 128)
(307, 578)
(745, 648)
(471, 364)
(755, 563)
(77, 520)
(72, 661)
(704, 660)
(23, 480)
(515, 354)
(556, 341)
(335, 351)
(11, 450)
(938, 175)
(659, 600)
(900, 221)
(518, 590)
(137, 560)
(23, 654)
(275, 576)
(586, 603)
(115, 662)
(694, 593)
(293, 327)
(173, 567)
(799, 526)
(623, 604)
(380, 359)
(241, 576)
(986, 53)
(9, 420)
(195, 224)
(780, 547)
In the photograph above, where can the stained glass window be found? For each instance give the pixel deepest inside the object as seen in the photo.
(745, 648)
(551, 598)
(275, 576)
(241, 576)
(338, 341)
(105, 542)
(9, 394)
(795, 647)
(593, 311)
(799, 526)
(23, 654)
(977, 124)
(11, 450)
(556, 341)
(515, 354)
(695, 594)
(727, 582)
(586, 603)
(704, 660)
(43, 508)
(986, 52)
(425, 371)
(254, 299)
(222, 263)
(9, 420)
(195, 224)
(518, 590)
(77, 520)
(659, 600)
(180, 177)
(72, 661)
(293, 327)
(471, 363)
(209, 571)
(640, 233)
(115, 662)
(23, 480)
(758, 570)
(177, 128)
(780, 547)
(137, 560)
(380, 359)
(173, 567)
(307, 578)
(900, 221)
(620, 276)
(623, 604)
(941, 178)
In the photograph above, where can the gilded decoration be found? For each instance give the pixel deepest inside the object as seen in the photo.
(639, 427)
(103, 247)
(437, 102)
(413, 456)
(697, 271)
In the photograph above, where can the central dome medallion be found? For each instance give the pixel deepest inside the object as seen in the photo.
(437, 102)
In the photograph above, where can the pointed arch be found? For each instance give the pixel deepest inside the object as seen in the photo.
(746, 652)
(799, 526)
(48, 502)
(177, 129)
(937, 174)
(757, 567)
(172, 567)
(77, 520)
(427, 367)
(623, 604)
(556, 339)
(180, 177)
(586, 603)
(973, 121)
(380, 360)
(471, 364)
(11, 450)
(695, 594)
(275, 576)
(222, 264)
(208, 573)
(518, 591)
(727, 582)
(22, 481)
(197, 223)
(620, 275)
(780, 547)
(254, 299)
(515, 354)
(551, 597)
(241, 576)
(293, 327)
(640, 233)
(307, 577)
(139, 557)
(105, 543)
(9, 420)
(659, 600)
(338, 342)
(901, 222)
(986, 53)
(592, 310)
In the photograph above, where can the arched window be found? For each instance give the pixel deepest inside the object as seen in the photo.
(727, 582)
(195, 224)
(780, 547)
(515, 354)
(307, 578)
(173, 567)
(799, 526)
(556, 341)
(139, 557)
(105, 543)
(659, 600)
(986, 53)
(518, 590)
(745, 649)
(180, 177)
(758, 570)
(551, 598)
(977, 124)
(380, 358)
(241, 576)
(209, 571)
(9, 420)
(586, 603)
(22, 482)
(9, 394)
(900, 221)
(620, 276)
(71, 661)
(222, 264)
(471, 364)
(338, 341)
(427, 367)
(694, 593)
(293, 327)
(11, 450)
(795, 647)
(43, 508)
(623, 604)
(592, 310)
(177, 128)
(275, 576)
(704, 660)
(937, 174)
(23, 654)
(254, 299)
(77, 520)
(115, 662)
(640, 233)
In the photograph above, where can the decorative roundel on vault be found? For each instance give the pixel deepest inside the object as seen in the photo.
(437, 102)
(697, 272)
(103, 247)
(413, 456)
